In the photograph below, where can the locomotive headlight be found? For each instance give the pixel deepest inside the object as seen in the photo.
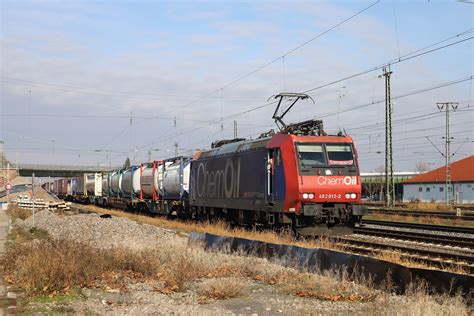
(353, 195)
(348, 196)
(311, 195)
(305, 195)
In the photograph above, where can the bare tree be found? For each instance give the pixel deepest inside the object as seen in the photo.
(379, 169)
(379, 187)
(422, 167)
(126, 165)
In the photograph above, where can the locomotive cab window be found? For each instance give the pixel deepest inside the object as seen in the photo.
(310, 155)
(340, 154)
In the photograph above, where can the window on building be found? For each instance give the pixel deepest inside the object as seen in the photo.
(441, 189)
(469, 185)
(420, 189)
(427, 189)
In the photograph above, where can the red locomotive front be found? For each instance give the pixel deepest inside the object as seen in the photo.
(322, 182)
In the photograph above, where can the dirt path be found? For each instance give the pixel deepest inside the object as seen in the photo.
(6, 306)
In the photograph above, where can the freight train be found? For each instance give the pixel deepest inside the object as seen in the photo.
(298, 177)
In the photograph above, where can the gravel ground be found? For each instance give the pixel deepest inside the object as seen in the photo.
(40, 193)
(100, 232)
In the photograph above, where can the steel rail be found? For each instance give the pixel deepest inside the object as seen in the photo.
(436, 258)
(415, 213)
(442, 228)
(458, 241)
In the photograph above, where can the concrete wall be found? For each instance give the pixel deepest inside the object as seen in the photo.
(428, 192)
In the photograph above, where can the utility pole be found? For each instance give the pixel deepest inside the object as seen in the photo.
(8, 176)
(33, 195)
(389, 182)
(446, 106)
(2, 153)
(235, 129)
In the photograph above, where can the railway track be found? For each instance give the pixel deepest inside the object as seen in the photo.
(420, 233)
(415, 238)
(456, 241)
(461, 261)
(466, 215)
(443, 228)
(464, 207)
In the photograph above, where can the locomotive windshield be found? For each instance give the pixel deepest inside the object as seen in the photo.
(311, 155)
(317, 155)
(340, 154)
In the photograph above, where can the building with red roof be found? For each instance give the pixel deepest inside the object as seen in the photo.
(430, 186)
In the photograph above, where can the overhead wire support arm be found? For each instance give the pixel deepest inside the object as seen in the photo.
(442, 154)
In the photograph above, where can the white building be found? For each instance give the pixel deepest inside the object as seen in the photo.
(430, 186)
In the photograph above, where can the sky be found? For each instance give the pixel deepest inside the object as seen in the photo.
(95, 82)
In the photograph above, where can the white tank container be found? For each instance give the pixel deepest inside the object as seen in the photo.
(69, 186)
(171, 180)
(115, 182)
(90, 183)
(148, 181)
(161, 176)
(105, 184)
(80, 185)
(130, 182)
(93, 183)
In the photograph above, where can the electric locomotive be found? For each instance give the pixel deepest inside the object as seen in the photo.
(299, 177)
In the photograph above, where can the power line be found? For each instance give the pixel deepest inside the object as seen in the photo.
(397, 61)
(250, 73)
(274, 102)
(399, 96)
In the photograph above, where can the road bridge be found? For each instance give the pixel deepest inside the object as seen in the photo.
(39, 170)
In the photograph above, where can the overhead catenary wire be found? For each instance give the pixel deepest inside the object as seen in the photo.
(274, 102)
(415, 54)
(404, 58)
(250, 73)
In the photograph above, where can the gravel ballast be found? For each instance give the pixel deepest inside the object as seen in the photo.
(100, 232)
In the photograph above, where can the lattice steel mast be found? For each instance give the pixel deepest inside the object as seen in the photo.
(389, 181)
(448, 192)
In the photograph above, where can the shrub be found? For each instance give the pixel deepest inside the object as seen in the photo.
(14, 211)
(220, 289)
(52, 266)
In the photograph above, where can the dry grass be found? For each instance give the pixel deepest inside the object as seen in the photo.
(421, 220)
(396, 256)
(221, 289)
(419, 301)
(285, 237)
(14, 211)
(180, 264)
(421, 206)
(46, 266)
(431, 206)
